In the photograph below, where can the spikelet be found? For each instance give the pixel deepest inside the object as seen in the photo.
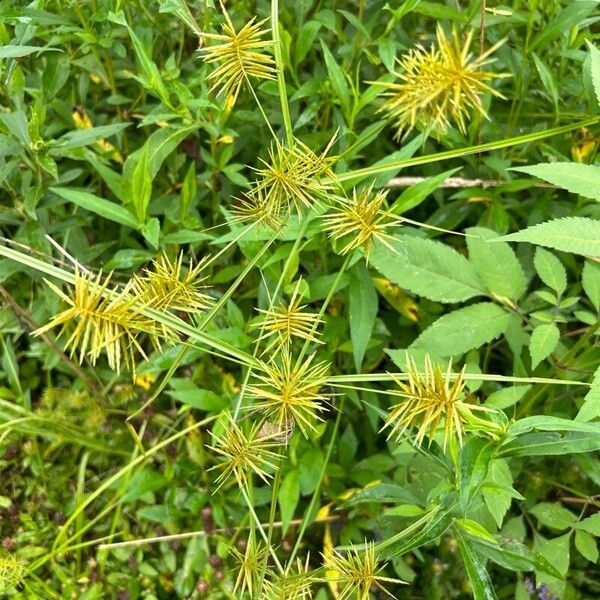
(12, 571)
(240, 56)
(285, 322)
(253, 207)
(249, 566)
(295, 584)
(439, 86)
(357, 573)
(294, 177)
(430, 398)
(289, 393)
(169, 286)
(243, 454)
(360, 220)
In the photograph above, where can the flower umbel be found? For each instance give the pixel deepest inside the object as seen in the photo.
(429, 398)
(440, 85)
(360, 220)
(357, 573)
(243, 454)
(284, 322)
(240, 54)
(169, 286)
(289, 393)
(106, 320)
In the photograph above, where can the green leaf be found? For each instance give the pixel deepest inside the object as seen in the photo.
(595, 69)
(552, 443)
(591, 405)
(383, 493)
(16, 123)
(488, 258)
(83, 137)
(591, 282)
(557, 553)
(464, 329)
(567, 18)
(544, 339)
(507, 397)
(550, 270)
(578, 235)
(187, 392)
(482, 587)
(305, 40)
(144, 481)
(577, 178)
(586, 545)
(338, 80)
(554, 516)
(362, 308)
(546, 78)
(100, 206)
(151, 231)
(141, 186)
(427, 268)
(591, 525)
(289, 496)
(415, 194)
(10, 51)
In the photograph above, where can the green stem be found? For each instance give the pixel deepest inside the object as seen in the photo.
(285, 107)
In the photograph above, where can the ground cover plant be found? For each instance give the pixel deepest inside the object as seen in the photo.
(299, 300)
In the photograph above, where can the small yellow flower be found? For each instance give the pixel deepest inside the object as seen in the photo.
(284, 322)
(429, 398)
(169, 286)
(357, 573)
(240, 54)
(243, 454)
(440, 85)
(359, 220)
(290, 393)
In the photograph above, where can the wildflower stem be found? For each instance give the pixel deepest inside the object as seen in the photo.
(534, 136)
(260, 107)
(317, 493)
(285, 108)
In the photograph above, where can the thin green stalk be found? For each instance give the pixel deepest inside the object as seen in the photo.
(317, 493)
(457, 153)
(285, 107)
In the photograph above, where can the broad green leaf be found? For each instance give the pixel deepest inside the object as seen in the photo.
(557, 552)
(577, 178)
(595, 69)
(475, 457)
(289, 496)
(141, 186)
(489, 258)
(427, 268)
(338, 80)
(144, 481)
(546, 78)
(544, 339)
(511, 554)
(552, 443)
(305, 40)
(482, 587)
(567, 18)
(16, 123)
(383, 493)
(187, 392)
(554, 516)
(362, 308)
(507, 397)
(586, 545)
(100, 206)
(578, 235)
(10, 51)
(591, 282)
(84, 137)
(591, 405)
(591, 525)
(551, 423)
(464, 329)
(550, 270)
(415, 194)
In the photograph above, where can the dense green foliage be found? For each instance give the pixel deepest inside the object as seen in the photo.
(429, 404)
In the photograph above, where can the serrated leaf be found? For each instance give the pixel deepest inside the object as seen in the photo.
(550, 270)
(464, 329)
(578, 235)
(591, 405)
(544, 339)
(427, 268)
(591, 282)
(13, 51)
(595, 69)
(577, 178)
(488, 258)
(362, 308)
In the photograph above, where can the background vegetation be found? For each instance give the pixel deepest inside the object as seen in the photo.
(122, 476)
